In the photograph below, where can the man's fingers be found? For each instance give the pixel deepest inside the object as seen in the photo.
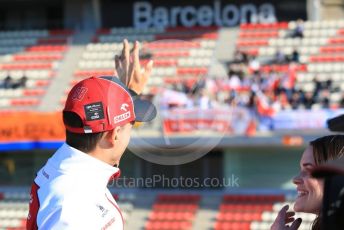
(136, 53)
(125, 49)
(148, 69)
(117, 62)
(126, 60)
(296, 224)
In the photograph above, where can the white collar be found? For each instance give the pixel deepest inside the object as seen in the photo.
(71, 161)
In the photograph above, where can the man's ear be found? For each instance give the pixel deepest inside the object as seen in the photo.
(114, 135)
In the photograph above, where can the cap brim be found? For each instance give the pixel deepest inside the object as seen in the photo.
(144, 110)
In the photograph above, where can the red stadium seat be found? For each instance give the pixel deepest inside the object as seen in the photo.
(33, 92)
(162, 54)
(103, 31)
(194, 28)
(173, 211)
(50, 41)
(327, 59)
(270, 26)
(332, 49)
(172, 45)
(232, 226)
(24, 66)
(171, 216)
(210, 36)
(95, 73)
(168, 225)
(257, 42)
(41, 83)
(253, 198)
(63, 32)
(24, 102)
(239, 216)
(245, 207)
(175, 207)
(258, 34)
(37, 57)
(336, 41)
(46, 48)
(192, 71)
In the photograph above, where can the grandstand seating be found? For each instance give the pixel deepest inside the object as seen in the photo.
(14, 207)
(238, 211)
(186, 58)
(255, 212)
(321, 51)
(35, 54)
(173, 212)
(13, 210)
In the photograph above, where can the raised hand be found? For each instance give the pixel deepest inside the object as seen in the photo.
(129, 69)
(284, 218)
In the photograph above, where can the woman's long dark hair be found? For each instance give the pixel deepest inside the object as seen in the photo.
(324, 149)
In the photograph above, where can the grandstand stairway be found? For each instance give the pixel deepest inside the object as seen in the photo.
(207, 213)
(51, 101)
(226, 35)
(140, 213)
(222, 55)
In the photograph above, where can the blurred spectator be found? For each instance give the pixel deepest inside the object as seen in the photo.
(324, 98)
(254, 65)
(298, 31)
(308, 100)
(145, 55)
(240, 57)
(321, 85)
(295, 100)
(234, 82)
(20, 84)
(190, 103)
(204, 101)
(8, 82)
(341, 103)
(279, 58)
(286, 84)
(200, 84)
(295, 56)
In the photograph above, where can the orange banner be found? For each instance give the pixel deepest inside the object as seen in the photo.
(31, 126)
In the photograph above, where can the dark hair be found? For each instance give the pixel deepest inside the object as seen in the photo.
(324, 149)
(327, 148)
(84, 142)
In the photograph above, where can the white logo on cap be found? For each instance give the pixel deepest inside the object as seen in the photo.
(121, 117)
(124, 107)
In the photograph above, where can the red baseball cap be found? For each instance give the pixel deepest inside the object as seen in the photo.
(103, 103)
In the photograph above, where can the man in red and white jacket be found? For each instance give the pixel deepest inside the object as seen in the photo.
(70, 191)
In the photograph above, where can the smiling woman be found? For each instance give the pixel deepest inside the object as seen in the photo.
(309, 189)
